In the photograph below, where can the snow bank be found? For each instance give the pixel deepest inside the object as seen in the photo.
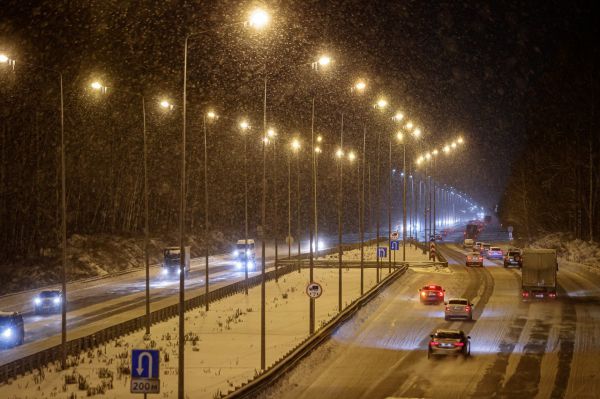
(571, 250)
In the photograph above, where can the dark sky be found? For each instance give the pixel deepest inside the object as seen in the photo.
(455, 67)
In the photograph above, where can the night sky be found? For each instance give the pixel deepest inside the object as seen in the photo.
(467, 68)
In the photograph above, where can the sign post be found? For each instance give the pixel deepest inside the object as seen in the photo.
(144, 371)
(381, 252)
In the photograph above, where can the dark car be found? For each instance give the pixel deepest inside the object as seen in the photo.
(513, 258)
(449, 342)
(474, 259)
(48, 301)
(12, 329)
(432, 294)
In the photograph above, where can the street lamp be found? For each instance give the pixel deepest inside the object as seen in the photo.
(244, 126)
(165, 104)
(258, 19)
(209, 116)
(5, 59)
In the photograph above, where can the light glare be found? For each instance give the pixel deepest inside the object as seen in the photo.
(324, 60)
(258, 19)
(96, 85)
(3, 58)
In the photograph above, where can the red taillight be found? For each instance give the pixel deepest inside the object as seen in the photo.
(447, 308)
(481, 258)
(467, 308)
(459, 344)
(440, 293)
(525, 294)
(468, 258)
(552, 295)
(434, 343)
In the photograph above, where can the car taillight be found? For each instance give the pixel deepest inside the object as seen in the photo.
(434, 343)
(468, 258)
(440, 293)
(467, 308)
(459, 344)
(447, 308)
(423, 293)
(552, 295)
(525, 294)
(481, 258)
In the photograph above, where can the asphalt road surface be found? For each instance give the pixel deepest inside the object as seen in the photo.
(519, 350)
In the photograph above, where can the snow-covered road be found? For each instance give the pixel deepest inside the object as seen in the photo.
(533, 350)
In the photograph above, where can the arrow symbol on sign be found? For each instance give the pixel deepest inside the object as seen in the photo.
(140, 368)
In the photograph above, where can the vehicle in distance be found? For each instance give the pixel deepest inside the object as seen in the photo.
(244, 254)
(439, 237)
(513, 258)
(494, 253)
(468, 243)
(432, 294)
(458, 308)
(477, 246)
(484, 248)
(12, 329)
(538, 273)
(474, 259)
(48, 301)
(171, 262)
(471, 231)
(449, 342)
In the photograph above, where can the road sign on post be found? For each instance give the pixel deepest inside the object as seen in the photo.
(432, 250)
(314, 290)
(394, 245)
(144, 371)
(381, 252)
(394, 235)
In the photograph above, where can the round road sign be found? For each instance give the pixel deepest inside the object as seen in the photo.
(394, 235)
(314, 290)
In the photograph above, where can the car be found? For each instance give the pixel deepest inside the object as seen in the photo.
(458, 308)
(48, 301)
(484, 248)
(432, 294)
(477, 246)
(494, 253)
(474, 259)
(468, 243)
(439, 237)
(449, 342)
(513, 258)
(12, 330)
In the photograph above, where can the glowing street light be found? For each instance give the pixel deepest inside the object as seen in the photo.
(453, 145)
(360, 85)
(428, 156)
(381, 103)
(416, 132)
(435, 152)
(460, 140)
(351, 156)
(446, 149)
(409, 125)
(271, 133)
(211, 115)
(165, 104)
(4, 59)
(324, 60)
(295, 145)
(339, 153)
(319, 139)
(400, 136)
(97, 86)
(259, 19)
(398, 117)
(244, 125)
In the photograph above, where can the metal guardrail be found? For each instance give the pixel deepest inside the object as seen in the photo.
(75, 346)
(44, 357)
(353, 264)
(289, 360)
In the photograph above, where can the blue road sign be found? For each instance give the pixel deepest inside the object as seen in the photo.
(144, 363)
(381, 252)
(394, 245)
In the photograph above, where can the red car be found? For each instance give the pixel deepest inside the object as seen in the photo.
(432, 294)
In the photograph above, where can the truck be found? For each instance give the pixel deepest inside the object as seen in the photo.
(244, 254)
(538, 273)
(170, 267)
(471, 231)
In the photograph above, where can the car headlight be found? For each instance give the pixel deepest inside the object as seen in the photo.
(37, 300)
(56, 300)
(248, 252)
(164, 272)
(236, 253)
(238, 265)
(7, 333)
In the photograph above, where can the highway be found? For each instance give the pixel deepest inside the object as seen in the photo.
(519, 350)
(115, 298)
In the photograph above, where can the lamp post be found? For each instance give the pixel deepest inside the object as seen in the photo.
(340, 156)
(165, 104)
(258, 19)
(4, 59)
(210, 115)
(244, 126)
(381, 105)
(294, 148)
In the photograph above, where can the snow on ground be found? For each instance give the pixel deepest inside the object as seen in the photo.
(584, 253)
(370, 254)
(222, 345)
